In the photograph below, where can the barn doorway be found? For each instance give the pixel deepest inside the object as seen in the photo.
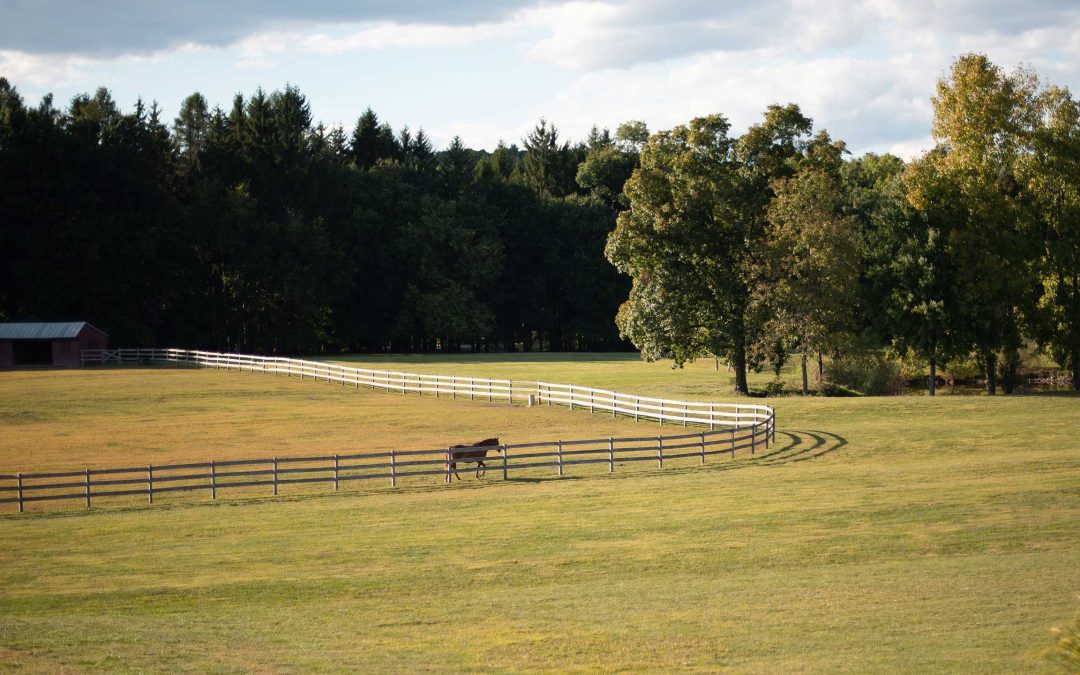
(31, 352)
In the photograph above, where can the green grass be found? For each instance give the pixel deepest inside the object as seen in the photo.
(885, 534)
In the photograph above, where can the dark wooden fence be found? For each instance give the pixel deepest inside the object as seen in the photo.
(271, 474)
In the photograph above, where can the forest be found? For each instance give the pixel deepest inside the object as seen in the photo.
(253, 228)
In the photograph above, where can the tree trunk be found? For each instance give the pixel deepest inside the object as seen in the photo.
(933, 375)
(740, 368)
(820, 369)
(1011, 375)
(805, 386)
(991, 373)
(1076, 368)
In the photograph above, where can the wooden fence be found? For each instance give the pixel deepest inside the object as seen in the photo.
(731, 427)
(660, 410)
(272, 473)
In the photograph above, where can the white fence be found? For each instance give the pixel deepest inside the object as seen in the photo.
(157, 481)
(661, 410)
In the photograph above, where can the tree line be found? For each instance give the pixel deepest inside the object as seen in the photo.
(256, 229)
(253, 228)
(755, 247)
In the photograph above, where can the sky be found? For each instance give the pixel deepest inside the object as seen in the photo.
(488, 70)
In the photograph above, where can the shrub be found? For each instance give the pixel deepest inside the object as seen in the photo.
(1066, 651)
(871, 374)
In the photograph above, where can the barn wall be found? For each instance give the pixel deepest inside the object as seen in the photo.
(92, 338)
(66, 353)
(7, 358)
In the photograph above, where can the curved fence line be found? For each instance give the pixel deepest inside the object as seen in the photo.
(743, 427)
(508, 391)
(210, 477)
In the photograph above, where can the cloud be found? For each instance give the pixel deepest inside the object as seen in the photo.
(41, 70)
(256, 50)
(864, 69)
(112, 27)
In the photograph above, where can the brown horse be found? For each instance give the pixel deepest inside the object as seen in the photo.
(474, 452)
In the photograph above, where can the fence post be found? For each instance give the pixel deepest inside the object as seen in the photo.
(702, 447)
(149, 484)
(336, 469)
(637, 409)
(753, 438)
(88, 488)
(738, 420)
(610, 455)
(685, 412)
(660, 452)
(560, 458)
(393, 468)
(453, 387)
(275, 475)
(712, 418)
(571, 396)
(733, 442)
(213, 480)
(505, 450)
(510, 393)
(18, 477)
(448, 463)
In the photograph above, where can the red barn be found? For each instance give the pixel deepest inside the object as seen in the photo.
(48, 344)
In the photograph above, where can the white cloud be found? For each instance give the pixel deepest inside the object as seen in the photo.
(42, 71)
(864, 69)
(256, 49)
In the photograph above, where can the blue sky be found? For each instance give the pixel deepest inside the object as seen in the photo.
(863, 69)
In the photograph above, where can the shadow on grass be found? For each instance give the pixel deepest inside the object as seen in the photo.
(800, 449)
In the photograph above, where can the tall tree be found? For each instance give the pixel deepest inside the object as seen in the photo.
(1052, 175)
(681, 241)
(913, 267)
(985, 119)
(810, 258)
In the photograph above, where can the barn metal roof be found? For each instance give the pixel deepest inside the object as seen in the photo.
(60, 330)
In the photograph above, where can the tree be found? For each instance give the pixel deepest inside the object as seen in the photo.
(550, 168)
(811, 259)
(984, 119)
(913, 270)
(604, 172)
(371, 141)
(1052, 176)
(681, 241)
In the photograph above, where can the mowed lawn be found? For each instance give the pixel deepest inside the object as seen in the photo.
(889, 534)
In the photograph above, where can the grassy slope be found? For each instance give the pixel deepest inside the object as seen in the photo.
(886, 534)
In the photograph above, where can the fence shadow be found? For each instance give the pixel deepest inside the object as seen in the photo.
(800, 446)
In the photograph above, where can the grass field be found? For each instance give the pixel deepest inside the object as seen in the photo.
(889, 534)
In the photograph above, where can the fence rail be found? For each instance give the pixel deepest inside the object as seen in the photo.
(741, 427)
(660, 410)
(210, 477)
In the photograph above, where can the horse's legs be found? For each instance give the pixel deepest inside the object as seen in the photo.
(481, 469)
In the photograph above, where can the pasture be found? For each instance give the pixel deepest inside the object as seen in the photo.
(888, 534)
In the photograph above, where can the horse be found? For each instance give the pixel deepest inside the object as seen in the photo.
(473, 452)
